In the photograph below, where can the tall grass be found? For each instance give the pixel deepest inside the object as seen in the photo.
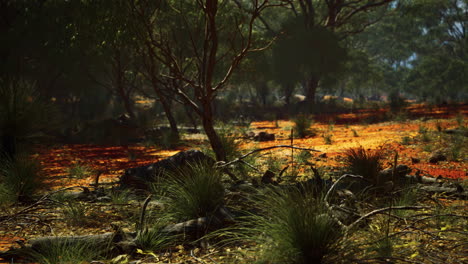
(194, 191)
(68, 251)
(20, 178)
(153, 239)
(292, 226)
(366, 163)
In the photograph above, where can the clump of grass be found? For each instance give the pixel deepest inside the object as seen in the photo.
(302, 125)
(293, 226)
(355, 133)
(119, 196)
(80, 171)
(406, 140)
(327, 138)
(366, 163)
(460, 118)
(75, 213)
(424, 134)
(68, 251)
(154, 239)
(193, 191)
(20, 178)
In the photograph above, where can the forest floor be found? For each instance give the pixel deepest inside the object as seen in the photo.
(411, 139)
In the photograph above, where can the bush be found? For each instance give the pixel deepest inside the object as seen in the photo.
(20, 178)
(293, 226)
(302, 125)
(194, 191)
(366, 163)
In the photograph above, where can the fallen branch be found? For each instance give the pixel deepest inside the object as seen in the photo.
(224, 164)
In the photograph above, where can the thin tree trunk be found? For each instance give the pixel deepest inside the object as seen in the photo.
(166, 104)
(208, 126)
(311, 85)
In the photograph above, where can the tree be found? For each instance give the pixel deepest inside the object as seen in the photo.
(343, 18)
(213, 38)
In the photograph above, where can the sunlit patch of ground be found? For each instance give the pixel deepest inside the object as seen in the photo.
(110, 160)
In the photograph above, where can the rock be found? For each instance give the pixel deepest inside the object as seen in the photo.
(437, 156)
(269, 178)
(323, 156)
(142, 177)
(264, 136)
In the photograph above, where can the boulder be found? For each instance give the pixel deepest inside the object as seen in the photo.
(142, 177)
(437, 156)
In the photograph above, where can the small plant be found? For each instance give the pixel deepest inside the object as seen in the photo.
(80, 171)
(460, 118)
(304, 157)
(20, 178)
(366, 163)
(75, 213)
(119, 196)
(406, 140)
(331, 125)
(327, 138)
(193, 191)
(355, 133)
(302, 125)
(424, 134)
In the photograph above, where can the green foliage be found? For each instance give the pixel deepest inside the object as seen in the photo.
(293, 226)
(20, 178)
(366, 163)
(75, 213)
(302, 125)
(406, 140)
(193, 191)
(154, 239)
(24, 114)
(120, 196)
(327, 138)
(80, 171)
(68, 251)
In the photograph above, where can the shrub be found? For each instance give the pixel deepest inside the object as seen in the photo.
(366, 163)
(194, 191)
(302, 125)
(20, 178)
(293, 226)
(327, 138)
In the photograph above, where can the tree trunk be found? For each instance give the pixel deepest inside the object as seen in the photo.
(172, 122)
(208, 126)
(311, 85)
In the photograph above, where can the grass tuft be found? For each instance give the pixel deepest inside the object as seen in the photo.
(366, 163)
(302, 125)
(193, 191)
(292, 226)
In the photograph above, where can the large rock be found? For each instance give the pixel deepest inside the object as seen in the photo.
(142, 177)
(264, 136)
(437, 156)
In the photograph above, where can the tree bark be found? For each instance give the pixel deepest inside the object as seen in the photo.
(208, 126)
(166, 104)
(311, 85)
